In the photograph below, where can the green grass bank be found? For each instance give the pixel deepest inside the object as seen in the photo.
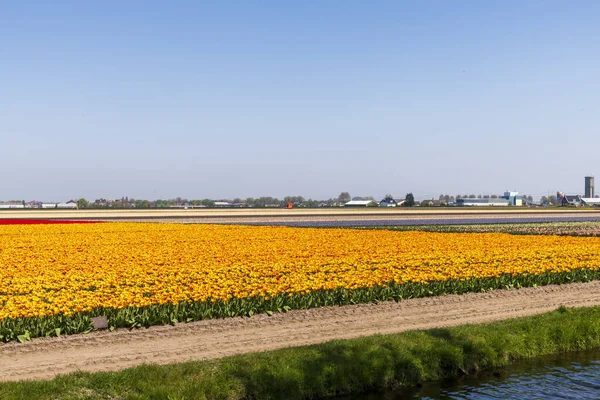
(373, 363)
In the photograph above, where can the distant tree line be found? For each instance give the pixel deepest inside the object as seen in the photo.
(267, 201)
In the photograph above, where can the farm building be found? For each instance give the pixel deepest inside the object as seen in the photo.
(482, 202)
(513, 198)
(360, 203)
(590, 201)
(11, 204)
(568, 199)
(69, 206)
(509, 199)
(576, 200)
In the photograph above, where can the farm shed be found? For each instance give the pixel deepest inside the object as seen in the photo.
(483, 202)
(69, 205)
(11, 204)
(361, 203)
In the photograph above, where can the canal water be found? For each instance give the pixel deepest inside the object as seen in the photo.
(567, 376)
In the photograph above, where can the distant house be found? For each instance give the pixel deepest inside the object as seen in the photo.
(361, 203)
(388, 202)
(576, 200)
(431, 203)
(222, 204)
(568, 199)
(573, 200)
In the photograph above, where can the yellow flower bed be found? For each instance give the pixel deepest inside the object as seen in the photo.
(52, 269)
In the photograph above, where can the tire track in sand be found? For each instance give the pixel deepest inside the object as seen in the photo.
(45, 358)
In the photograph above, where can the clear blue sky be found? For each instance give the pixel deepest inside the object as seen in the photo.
(152, 99)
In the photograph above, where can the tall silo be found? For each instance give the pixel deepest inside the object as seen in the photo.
(589, 186)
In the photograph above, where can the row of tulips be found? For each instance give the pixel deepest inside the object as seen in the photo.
(581, 228)
(53, 278)
(23, 329)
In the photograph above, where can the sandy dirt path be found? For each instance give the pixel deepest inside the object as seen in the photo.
(109, 351)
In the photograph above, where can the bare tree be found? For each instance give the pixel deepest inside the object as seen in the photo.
(344, 197)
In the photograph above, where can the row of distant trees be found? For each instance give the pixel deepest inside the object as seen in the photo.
(344, 197)
(266, 201)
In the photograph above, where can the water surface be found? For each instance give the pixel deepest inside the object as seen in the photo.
(566, 376)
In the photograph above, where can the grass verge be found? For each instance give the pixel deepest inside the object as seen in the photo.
(379, 362)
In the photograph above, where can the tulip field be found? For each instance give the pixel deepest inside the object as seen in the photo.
(581, 228)
(54, 277)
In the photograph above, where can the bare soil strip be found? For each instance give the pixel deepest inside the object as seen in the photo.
(110, 351)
